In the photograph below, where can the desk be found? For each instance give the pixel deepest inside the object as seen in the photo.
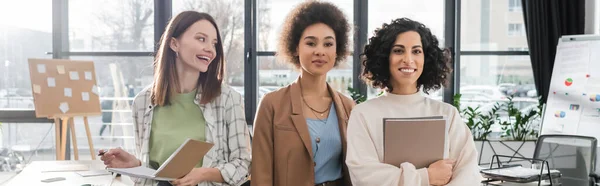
(32, 175)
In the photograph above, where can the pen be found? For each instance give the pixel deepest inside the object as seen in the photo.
(101, 153)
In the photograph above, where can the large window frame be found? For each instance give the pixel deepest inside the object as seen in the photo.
(162, 14)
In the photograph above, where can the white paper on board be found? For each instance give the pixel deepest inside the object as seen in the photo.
(41, 68)
(51, 82)
(88, 75)
(68, 92)
(85, 96)
(95, 90)
(74, 75)
(64, 107)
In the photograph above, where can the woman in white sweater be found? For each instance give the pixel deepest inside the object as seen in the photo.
(401, 58)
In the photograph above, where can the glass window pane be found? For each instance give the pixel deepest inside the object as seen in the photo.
(26, 142)
(106, 25)
(271, 15)
(25, 32)
(493, 78)
(229, 15)
(490, 26)
(597, 20)
(119, 79)
(274, 74)
(428, 12)
(514, 6)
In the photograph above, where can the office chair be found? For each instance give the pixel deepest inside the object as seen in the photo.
(574, 156)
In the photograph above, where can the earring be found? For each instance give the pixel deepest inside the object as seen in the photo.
(176, 54)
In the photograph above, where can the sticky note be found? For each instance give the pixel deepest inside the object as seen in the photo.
(64, 107)
(95, 90)
(74, 75)
(60, 69)
(68, 92)
(37, 89)
(41, 68)
(85, 96)
(51, 82)
(88, 75)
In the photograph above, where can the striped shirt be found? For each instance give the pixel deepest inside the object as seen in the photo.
(225, 127)
(326, 146)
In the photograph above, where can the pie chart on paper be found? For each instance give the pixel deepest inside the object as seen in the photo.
(568, 82)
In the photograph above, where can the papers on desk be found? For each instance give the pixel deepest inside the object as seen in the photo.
(518, 174)
(67, 167)
(181, 162)
(419, 141)
(93, 173)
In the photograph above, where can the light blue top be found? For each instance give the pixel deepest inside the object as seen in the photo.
(327, 153)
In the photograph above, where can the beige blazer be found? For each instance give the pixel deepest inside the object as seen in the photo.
(281, 147)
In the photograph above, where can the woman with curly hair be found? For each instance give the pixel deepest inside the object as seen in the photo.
(300, 130)
(403, 57)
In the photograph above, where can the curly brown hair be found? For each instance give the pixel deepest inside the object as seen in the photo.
(305, 15)
(375, 59)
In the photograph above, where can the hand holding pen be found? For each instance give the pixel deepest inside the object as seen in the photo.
(118, 158)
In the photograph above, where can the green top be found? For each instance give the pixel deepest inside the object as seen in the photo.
(173, 124)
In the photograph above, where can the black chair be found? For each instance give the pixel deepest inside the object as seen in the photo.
(573, 156)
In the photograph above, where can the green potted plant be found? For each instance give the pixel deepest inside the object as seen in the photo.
(519, 127)
(356, 96)
(479, 123)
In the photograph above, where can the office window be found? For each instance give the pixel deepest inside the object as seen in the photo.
(428, 12)
(274, 74)
(516, 29)
(25, 32)
(119, 79)
(491, 78)
(519, 57)
(597, 9)
(28, 36)
(271, 14)
(106, 25)
(515, 6)
(229, 15)
(489, 26)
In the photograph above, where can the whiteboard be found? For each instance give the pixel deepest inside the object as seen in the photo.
(573, 105)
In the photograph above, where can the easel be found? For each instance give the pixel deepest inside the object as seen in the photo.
(62, 90)
(61, 123)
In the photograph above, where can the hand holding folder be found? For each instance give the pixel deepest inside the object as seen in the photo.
(181, 162)
(419, 141)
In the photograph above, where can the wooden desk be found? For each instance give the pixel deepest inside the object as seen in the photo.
(32, 175)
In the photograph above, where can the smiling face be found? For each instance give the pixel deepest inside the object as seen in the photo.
(406, 61)
(317, 49)
(195, 48)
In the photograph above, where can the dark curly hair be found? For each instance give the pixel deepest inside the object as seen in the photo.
(375, 59)
(305, 15)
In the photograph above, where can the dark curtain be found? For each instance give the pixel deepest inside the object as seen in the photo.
(545, 22)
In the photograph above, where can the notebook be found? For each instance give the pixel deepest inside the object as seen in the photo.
(181, 162)
(420, 141)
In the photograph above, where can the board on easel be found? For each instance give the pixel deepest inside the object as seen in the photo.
(573, 105)
(63, 89)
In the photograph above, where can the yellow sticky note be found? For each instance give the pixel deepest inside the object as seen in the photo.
(60, 69)
(37, 89)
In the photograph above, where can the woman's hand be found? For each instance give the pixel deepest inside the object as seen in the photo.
(118, 158)
(195, 176)
(440, 172)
